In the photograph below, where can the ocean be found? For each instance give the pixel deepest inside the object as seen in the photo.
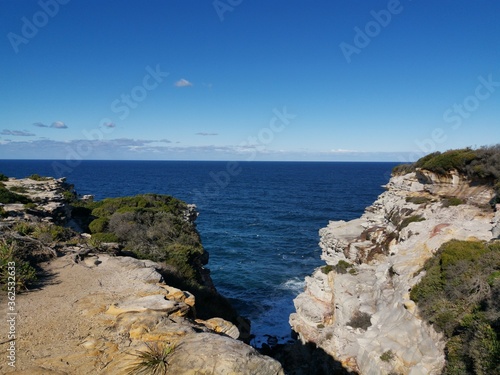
(258, 220)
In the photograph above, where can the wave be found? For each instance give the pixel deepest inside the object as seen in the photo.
(294, 284)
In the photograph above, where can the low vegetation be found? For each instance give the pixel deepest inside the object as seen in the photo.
(387, 356)
(418, 200)
(411, 219)
(360, 320)
(7, 196)
(11, 255)
(37, 177)
(151, 227)
(153, 360)
(460, 296)
(480, 164)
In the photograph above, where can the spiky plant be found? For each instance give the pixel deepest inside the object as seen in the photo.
(153, 360)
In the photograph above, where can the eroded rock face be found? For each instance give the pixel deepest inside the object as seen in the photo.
(359, 307)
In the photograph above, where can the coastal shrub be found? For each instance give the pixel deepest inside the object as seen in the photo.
(327, 269)
(452, 201)
(19, 189)
(30, 206)
(49, 233)
(24, 228)
(37, 177)
(460, 296)
(153, 360)
(387, 356)
(412, 219)
(360, 320)
(68, 196)
(99, 225)
(402, 169)
(479, 164)
(24, 272)
(7, 196)
(418, 200)
(3, 213)
(150, 226)
(98, 238)
(3, 177)
(442, 163)
(342, 266)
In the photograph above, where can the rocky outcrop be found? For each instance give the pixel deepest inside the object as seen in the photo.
(95, 312)
(357, 307)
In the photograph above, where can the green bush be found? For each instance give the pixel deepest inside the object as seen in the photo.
(3, 177)
(402, 169)
(24, 228)
(99, 225)
(459, 295)
(98, 238)
(418, 200)
(37, 177)
(387, 356)
(412, 219)
(49, 233)
(3, 213)
(6, 197)
(24, 272)
(452, 201)
(19, 189)
(327, 269)
(443, 163)
(342, 266)
(360, 320)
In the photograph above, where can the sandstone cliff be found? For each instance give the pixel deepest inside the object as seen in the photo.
(357, 307)
(93, 311)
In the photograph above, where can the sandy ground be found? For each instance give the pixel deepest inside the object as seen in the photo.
(57, 317)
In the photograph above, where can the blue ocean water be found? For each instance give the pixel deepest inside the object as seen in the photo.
(258, 220)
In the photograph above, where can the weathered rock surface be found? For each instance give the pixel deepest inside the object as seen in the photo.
(381, 255)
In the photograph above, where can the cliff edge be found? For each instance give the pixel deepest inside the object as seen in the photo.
(91, 309)
(357, 307)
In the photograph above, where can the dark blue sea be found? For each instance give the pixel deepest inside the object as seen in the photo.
(258, 220)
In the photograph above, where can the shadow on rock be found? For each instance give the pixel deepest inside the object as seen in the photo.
(308, 359)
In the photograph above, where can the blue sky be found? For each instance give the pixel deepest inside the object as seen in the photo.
(247, 79)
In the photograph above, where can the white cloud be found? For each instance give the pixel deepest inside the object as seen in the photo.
(341, 151)
(58, 125)
(40, 125)
(17, 133)
(206, 134)
(183, 83)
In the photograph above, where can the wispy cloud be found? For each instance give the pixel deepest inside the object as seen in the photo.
(341, 151)
(40, 125)
(58, 125)
(183, 83)
(204, 134)
(17, 133)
